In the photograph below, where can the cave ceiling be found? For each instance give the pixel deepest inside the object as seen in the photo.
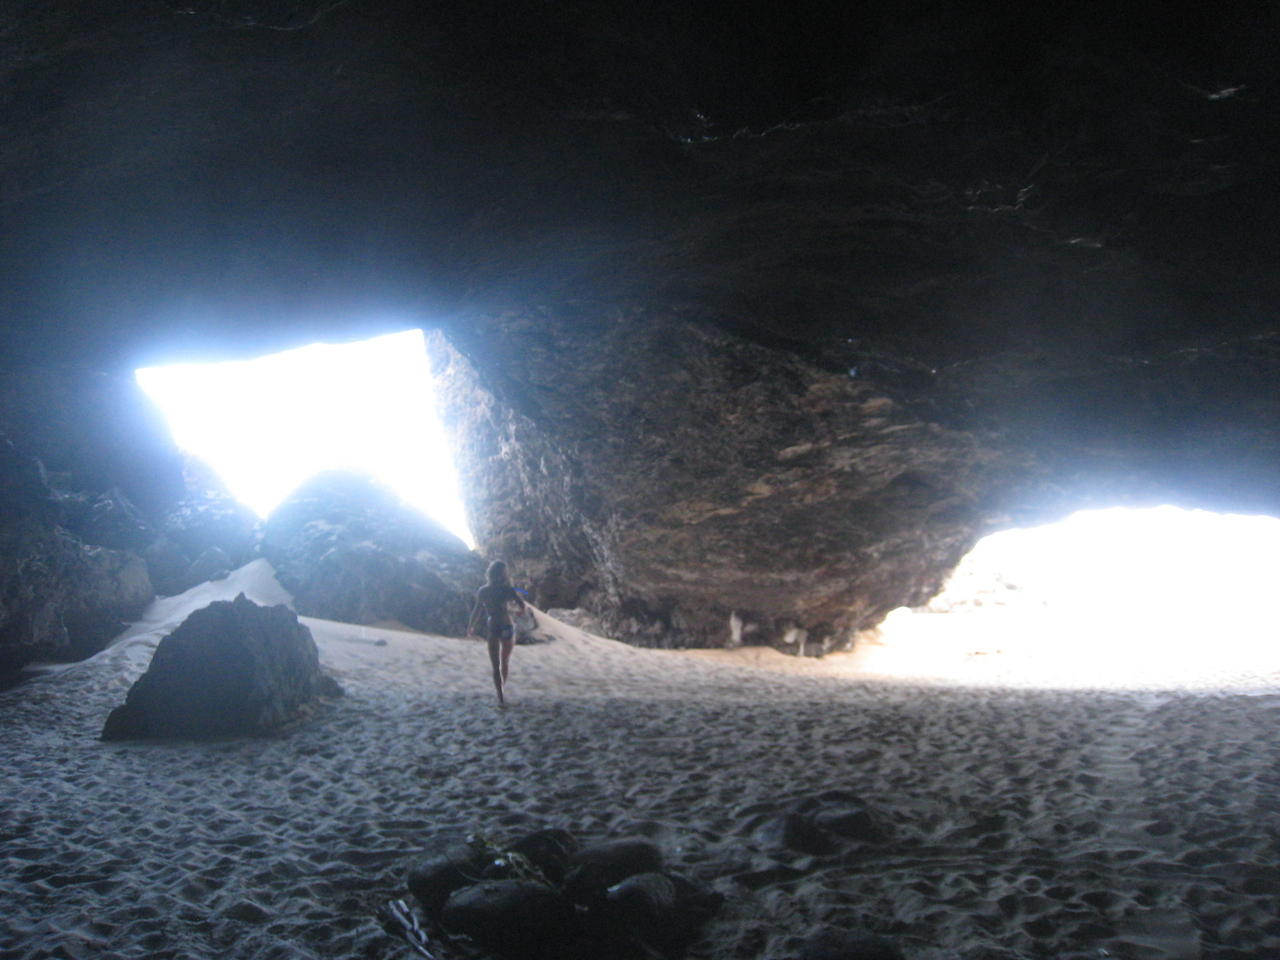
(939, 180)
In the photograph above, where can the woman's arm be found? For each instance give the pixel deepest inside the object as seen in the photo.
(475, 617)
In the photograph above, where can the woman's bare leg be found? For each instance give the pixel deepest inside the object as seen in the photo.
(508, 644)
(499, 667)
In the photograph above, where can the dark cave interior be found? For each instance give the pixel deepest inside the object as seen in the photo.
(763, 309)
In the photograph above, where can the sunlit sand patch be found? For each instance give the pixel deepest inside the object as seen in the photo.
(1108, 599)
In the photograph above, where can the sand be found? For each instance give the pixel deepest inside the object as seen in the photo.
(1024, 822)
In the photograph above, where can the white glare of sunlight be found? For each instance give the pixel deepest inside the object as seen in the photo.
(1116, 597)
(267, 425)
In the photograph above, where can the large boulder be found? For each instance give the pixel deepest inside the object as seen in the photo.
(349, 549)
(60, 599)
(233, 668)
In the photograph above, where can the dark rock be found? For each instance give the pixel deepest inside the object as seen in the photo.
(514, 918)
(550, 850)
(23, 491)
(167, 565)
(348, 549)
(796, 831)
(107, 520)
(94, 433)
(206, 535)
(844, 814)
(232, 668)
(60, 599)
(816, 825)
(594, 869)
(664, 910)
(213, 564)
(450, 865)
(853, 823)
(851, 944)
(209, 517)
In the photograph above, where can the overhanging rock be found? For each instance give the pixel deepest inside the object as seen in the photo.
(692, 488)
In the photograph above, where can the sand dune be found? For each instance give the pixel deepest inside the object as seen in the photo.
(1023, 822)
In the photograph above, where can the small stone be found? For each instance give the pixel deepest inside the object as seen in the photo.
(516, 919)
(597, 868)
(663, 909)
(451, 865)
(551, 851)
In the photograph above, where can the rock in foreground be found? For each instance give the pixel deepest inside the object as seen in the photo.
(544, 898)
(230, 669)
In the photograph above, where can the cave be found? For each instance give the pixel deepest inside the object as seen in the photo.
(746, 322)
(746, 332)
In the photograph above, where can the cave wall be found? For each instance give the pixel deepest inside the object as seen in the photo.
(750, 313)
(60, 598)
(93, 429)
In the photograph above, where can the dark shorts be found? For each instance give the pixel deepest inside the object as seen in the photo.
(501, 633)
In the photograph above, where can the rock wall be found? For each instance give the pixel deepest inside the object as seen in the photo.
(690, 487)
(93, 431)
(60, 598)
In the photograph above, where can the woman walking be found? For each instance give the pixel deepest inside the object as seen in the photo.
(492, 600)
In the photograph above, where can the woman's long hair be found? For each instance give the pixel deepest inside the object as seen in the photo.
(498, 574)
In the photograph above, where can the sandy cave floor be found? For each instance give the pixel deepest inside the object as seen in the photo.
(1025, 822)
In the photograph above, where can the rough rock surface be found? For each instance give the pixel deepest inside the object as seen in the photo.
(60, 598)
(107, 520)
(95, 434)
(690, 487)
(231, 669)
(349, 549)
(208, 517)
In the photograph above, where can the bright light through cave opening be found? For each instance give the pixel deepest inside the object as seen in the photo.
(1120, 598)
(266, 425)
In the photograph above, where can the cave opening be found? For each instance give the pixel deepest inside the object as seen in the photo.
(1115, 598)
(268, 424)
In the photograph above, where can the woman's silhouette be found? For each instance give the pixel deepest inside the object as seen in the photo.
(492, 600)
